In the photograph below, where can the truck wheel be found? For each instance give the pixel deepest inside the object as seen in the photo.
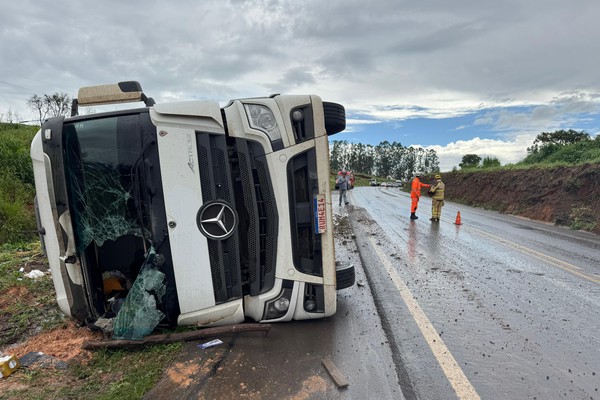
(335, 117)
(344, 277)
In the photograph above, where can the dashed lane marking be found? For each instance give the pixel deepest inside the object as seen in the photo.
(461, 385)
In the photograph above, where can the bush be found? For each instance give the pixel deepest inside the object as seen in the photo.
(583, 218)
(580, 152)
(15, 159)
(17, 218)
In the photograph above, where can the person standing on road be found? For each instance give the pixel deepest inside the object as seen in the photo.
(415, 194)
(437, 198)
(343, 182)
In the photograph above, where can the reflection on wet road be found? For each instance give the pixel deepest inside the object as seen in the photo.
(516, 302)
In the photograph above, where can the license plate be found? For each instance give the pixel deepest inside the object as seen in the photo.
(320, 213)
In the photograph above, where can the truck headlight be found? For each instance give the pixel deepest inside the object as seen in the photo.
(263, 119)
(279, 306)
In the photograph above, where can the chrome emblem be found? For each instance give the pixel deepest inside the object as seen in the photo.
(217, 220)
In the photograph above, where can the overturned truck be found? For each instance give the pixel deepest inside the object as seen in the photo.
(226, 211)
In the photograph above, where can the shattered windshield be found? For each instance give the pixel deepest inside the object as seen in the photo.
(100, 155)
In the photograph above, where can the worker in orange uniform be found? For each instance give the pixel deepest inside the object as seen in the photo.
(415, 194)
(437, 198)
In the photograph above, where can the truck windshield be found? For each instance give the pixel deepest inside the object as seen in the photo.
(99, 156)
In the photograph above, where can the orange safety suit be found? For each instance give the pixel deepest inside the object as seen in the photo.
(415, 193)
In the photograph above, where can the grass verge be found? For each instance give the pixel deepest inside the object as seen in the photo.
(108, 375)
(28, 308)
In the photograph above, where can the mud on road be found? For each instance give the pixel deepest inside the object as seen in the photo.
(287, 363)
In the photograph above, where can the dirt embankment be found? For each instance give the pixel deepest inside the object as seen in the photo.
(567, 196)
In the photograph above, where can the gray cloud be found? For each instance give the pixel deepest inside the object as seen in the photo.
(389, 59)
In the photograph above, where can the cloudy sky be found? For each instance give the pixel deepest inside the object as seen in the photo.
(460, 76)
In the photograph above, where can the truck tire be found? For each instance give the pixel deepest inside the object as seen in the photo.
(335, 117)
(344, 277)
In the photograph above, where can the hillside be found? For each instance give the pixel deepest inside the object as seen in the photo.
(568, 196)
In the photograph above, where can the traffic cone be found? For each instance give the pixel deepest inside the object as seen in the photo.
(457, 222)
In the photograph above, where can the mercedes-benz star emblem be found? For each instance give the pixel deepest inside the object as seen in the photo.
(217, 220)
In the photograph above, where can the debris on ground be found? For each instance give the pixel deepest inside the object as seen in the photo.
(38, 359)
(63, 343)
(8, 365)
(337, 376)
(35, 274)
(212, 343)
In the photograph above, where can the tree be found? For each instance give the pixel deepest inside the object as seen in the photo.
(384, 160)
(58, 104)
(335, 155)
(470, 161)
(556, 139)
(11, 117)
(53, 105)
(490, 162)
(36, 104)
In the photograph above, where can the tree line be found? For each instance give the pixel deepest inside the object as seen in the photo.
(561, 146)
(385, 159)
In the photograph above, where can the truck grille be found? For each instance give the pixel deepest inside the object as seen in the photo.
(235, 171)
(216, 185)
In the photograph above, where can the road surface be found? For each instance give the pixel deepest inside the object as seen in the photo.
(288, 362)
(496, 308)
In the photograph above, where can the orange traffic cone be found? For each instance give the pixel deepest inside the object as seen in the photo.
(457, 222)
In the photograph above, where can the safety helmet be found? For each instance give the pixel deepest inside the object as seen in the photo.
(438, 176)
(339, 172)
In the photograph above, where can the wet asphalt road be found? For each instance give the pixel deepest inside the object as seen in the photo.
(496, 308)
(287, 362)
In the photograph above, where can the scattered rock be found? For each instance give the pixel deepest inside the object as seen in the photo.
(38, 359)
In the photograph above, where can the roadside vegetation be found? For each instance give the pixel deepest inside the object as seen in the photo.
(114, 374)
(17, 219)
(549, 149)
(27, 304)
(28, 308)
(558, 181)
(390, 161)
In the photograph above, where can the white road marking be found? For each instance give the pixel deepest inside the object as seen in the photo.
(455, 375)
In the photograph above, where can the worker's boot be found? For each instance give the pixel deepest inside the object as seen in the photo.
(413, 216)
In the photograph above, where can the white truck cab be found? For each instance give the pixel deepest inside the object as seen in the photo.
(227, 211)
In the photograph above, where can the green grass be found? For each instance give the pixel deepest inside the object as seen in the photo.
(28, 302)
(521, 166)
(120, 374)
(582, 217)
(111, 374)
(17, 221)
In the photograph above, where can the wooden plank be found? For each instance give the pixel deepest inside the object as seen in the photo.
(175, 337)
(336, 374)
